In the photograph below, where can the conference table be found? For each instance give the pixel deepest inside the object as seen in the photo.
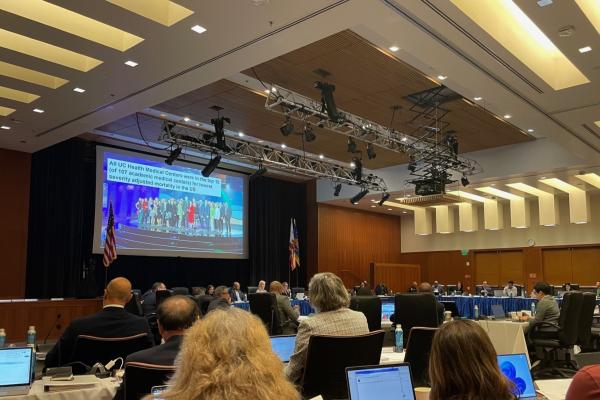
(102, 389)
(305, 307)
(466, 304)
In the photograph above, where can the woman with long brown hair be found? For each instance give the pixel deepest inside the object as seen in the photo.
(228, 355)
(463, 365)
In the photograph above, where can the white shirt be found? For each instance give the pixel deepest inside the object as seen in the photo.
(113, 305)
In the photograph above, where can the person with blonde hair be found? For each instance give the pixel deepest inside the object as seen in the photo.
(288, 316)
(330, 299)
(463, 365)
(228, 355)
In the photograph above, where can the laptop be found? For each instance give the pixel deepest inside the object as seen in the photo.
(387, 309)
(498, 311)
(375, 382)
(516, 368)
(16, 366)
(498, 292)
(283, 346)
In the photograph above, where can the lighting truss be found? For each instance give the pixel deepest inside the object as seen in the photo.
(426, 150)
(276, 159)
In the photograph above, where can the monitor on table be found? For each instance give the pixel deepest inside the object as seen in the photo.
(498, 292)
(283, 346)
(16, 365)
(516, 368)
(375, 382)
(387, 309)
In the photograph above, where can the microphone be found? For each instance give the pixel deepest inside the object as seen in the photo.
(54, 324)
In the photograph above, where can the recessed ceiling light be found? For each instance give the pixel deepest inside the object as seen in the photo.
(352, 164)
(321, 156)
(186, 119)
(283, 146)
(389, 209)
(394, 48)
(198, 29)
(241, 134)
(477, 98)
(267, 91)
(585, 49)
(404, 212)
(79, 90)
(5, 127)
(261, 141)
(404, 139)
(131, 63)
(38, 110)
(273, 90)
(163, 115)
(442, 77)
(507, 116)
(530, 130)
(373, 206)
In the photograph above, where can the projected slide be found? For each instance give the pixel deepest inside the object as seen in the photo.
(169, 210)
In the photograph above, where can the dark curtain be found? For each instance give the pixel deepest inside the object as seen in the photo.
(273, 203)
(61, 224)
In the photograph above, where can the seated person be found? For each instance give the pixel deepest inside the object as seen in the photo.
(486, 290)
(198, 291)
(425, 287)
(332, 316)
(261, 287)
(510, 290)
(459, 288)
(286, 289)
(236, 293)
(463, 364)
(585, 384)
(597, 289)
(175, 315)
(546, 309)
(228, 355)
(222, 299)
(149, 298)
(210, 290)
(567, 287)
(436, 288)
(288, 316)
(382, 290)
(363, 289)
(413, 287)
(113, 321)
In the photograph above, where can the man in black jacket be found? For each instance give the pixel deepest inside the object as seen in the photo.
(175, 315)
(113, 321)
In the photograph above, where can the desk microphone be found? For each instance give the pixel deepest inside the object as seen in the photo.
(54, 324)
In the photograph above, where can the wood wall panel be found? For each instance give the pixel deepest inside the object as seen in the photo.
(487, 267)
(585, 264)
(350, 240)
(14, 203)
(511, 267)
(557, 265)
(395, 276)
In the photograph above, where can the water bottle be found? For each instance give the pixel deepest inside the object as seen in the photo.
(533, 309)
(2, 337)
(31, 336)
(476, 311)
(399, 335)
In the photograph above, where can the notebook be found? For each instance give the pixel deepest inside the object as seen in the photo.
(16, 365)
(283, 346)
(516, 368)
(498, 311)
(375, 382)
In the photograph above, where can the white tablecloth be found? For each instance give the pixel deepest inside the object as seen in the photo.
(506, 336)
(388, 356)
(104, 389)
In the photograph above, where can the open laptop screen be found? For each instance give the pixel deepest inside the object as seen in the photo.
(516, 368)
(380, 382)
(15, 366)
(387, 309)
(283, 346)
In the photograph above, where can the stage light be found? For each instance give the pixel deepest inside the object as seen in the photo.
(327, 90)
(337, 189)
(219, 124)
(465, 181)
(211, 166)
(371, 152)
(384, 197)
(351, 145)
(287, 128)
(260, 171)
(358, 197)
(309, 135)
(357, 170)
(173, 155)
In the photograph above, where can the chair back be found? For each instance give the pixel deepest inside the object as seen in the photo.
(452, 307)
(252, 289)
(418, 349)
(296, 290)
(203, 302)
(92, 349)
(327, 358)
(415, 309)
(180, 290)
(161, 295)
(134, 306)
(140, 377)
(371, 307)
(586, 318)
(570, 312)
(450, 289)
(264, 305)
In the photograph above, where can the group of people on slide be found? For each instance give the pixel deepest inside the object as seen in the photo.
(185, 216)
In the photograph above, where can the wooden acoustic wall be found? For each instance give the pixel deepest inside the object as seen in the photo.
(14, 206)
(350, 240)
(499, 266)
(395, 276)
(576, 264)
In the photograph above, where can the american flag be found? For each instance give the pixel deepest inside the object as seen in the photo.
(294, 246)
(110, 243)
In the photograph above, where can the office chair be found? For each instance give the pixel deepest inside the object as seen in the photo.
(89, 350)
(418, 349)
(327, 358)
(415, 309)
(370, 306)
(264, 305)
(180, 290)
(161, 295)
(203, 302)
(555, 337)
(140, 377)
(252, 289)
(586, 317)
(451, 306)
(296, 290)
(134, 306)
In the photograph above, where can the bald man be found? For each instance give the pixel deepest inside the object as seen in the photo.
(113, 321)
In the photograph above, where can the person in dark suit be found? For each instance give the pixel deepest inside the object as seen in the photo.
(425, 287)
(364, 289)
(222, 299)
(113, 321)
(413, 287)
(288, 315)
(236, 293)
(175, 315)
(149, 298)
